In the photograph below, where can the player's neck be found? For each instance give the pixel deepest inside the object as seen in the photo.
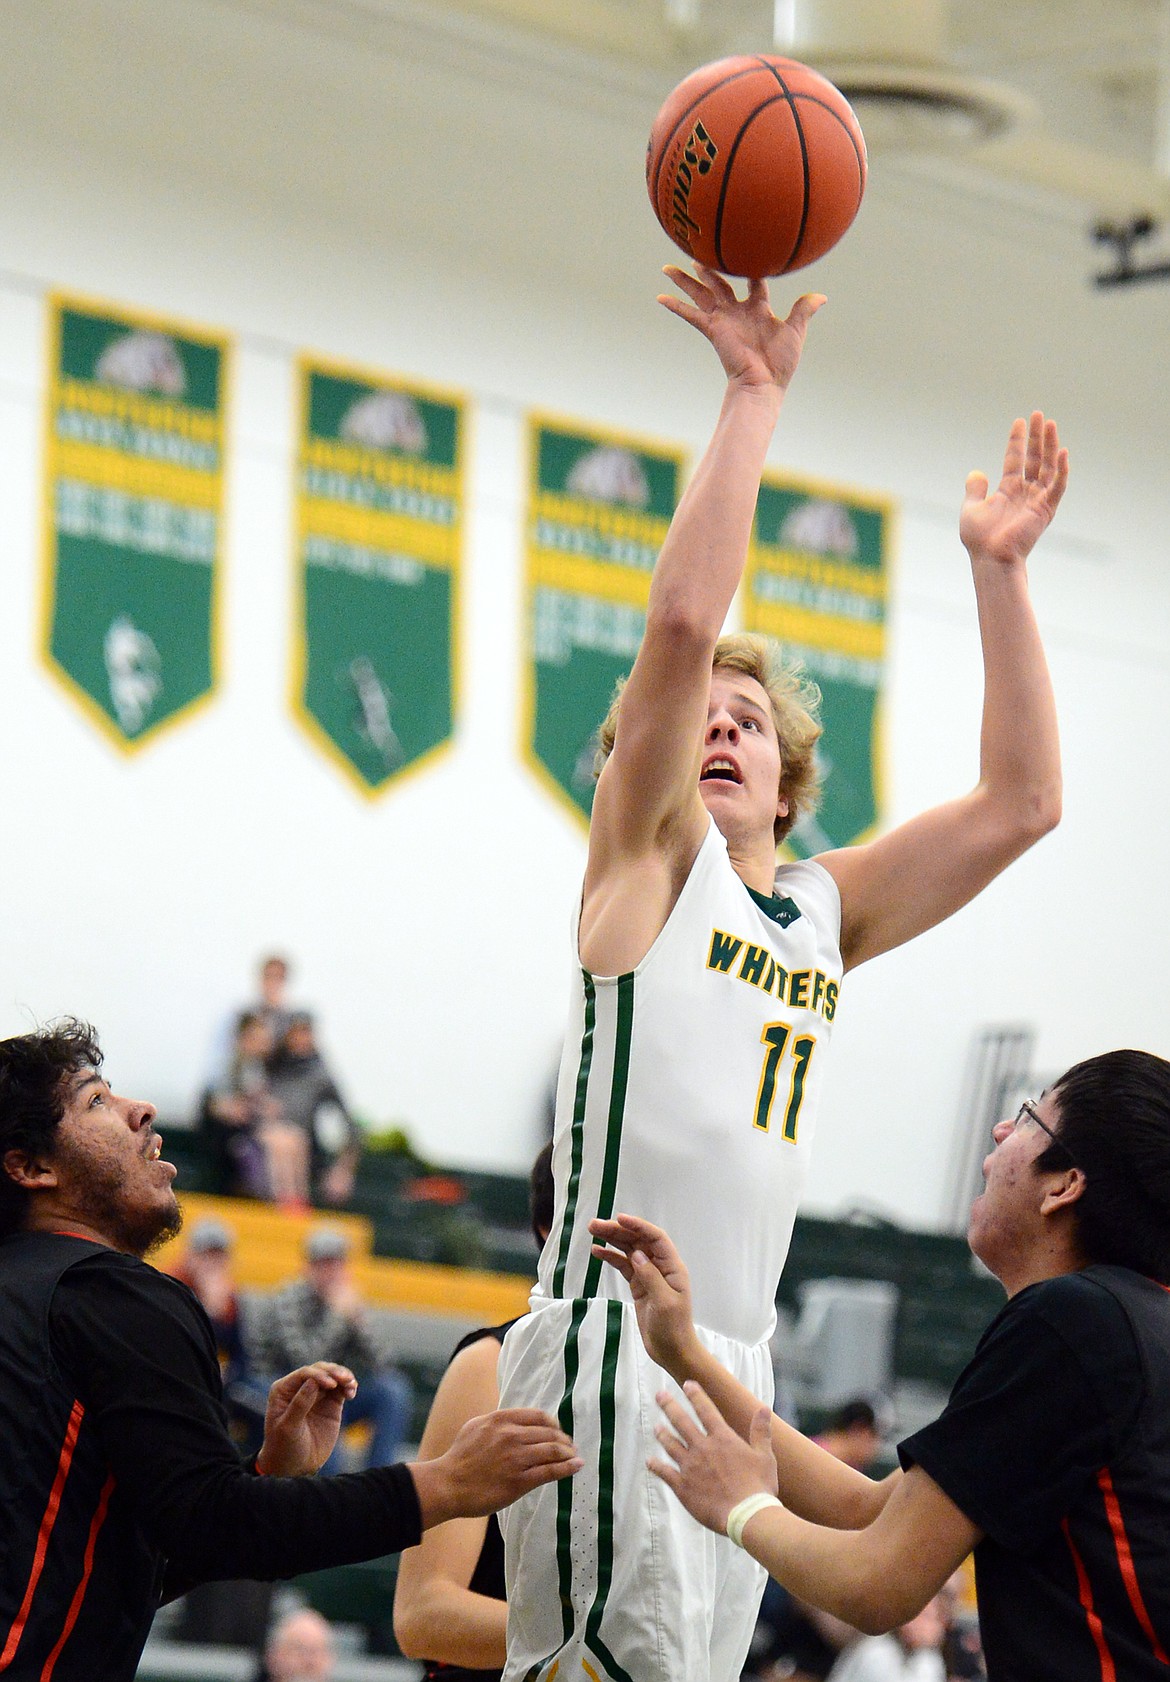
(754, 865)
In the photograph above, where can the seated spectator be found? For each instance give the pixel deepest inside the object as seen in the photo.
(323, 1312)
(256, 1151)
(449, 1606)
(299, 1649)
(308, 1098)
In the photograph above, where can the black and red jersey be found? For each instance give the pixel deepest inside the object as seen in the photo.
(119, 1482)
(1056, 1443)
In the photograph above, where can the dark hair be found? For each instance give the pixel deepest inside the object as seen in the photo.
(850, 1415)
(540, 1195)
(1113, 1119)
(33, 1071)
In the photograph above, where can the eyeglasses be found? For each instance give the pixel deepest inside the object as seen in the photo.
(1028, 1111)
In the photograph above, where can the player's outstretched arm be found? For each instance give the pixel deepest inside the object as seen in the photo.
(647, 797)
(894, 888)
(874, 1578)
(812, 1482)
(491, 1462)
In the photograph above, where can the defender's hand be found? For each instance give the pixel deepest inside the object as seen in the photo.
(710, 1469)
(1003, 525)
(303, 1418)
(493, 1460)
(649, 1263)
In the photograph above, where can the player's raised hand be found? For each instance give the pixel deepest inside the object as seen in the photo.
(710, 1469)
(303, 1418)
(493, 1460)
(659, 1283)
(1004, 524)
(756, 348)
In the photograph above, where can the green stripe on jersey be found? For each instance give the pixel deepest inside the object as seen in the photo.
(577, 1134)
(565, 1486)
(623, 1037)
(607, 1409)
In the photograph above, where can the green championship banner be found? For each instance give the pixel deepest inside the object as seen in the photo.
(379, 520)
(134, 514)
(817, 583)
(599, 505)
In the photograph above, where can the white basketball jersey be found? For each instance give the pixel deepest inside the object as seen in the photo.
(688, 1090)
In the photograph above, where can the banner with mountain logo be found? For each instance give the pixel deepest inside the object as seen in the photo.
(133, 513)
(817, 583)
(379, 521)
(599, 505)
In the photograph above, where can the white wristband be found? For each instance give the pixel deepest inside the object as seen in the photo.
(744, 1510)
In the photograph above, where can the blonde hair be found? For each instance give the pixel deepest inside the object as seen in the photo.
(795, 701)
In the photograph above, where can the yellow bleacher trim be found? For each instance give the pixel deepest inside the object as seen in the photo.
(269, 1249)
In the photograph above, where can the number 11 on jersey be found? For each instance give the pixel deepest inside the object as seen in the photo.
(776, 1036)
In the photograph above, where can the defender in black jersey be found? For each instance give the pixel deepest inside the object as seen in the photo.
(1052, 1457)
(119, 1484)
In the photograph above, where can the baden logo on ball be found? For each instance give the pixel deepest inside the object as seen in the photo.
(756, 165)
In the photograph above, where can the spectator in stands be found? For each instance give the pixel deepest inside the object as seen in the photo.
(271, 1005)
(852, 1434)
(300, 1648)
(323, 1311)
(911, 1653)
(309, 1100)
(255, 1150)
(449, 1606)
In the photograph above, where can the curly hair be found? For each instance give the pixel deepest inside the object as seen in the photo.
(795, 703)
(33, 1073)
(1113, 1119)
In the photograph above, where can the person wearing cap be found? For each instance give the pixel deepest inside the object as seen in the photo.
(321, 1316)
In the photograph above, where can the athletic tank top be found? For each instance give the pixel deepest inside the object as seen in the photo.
(688, 1090)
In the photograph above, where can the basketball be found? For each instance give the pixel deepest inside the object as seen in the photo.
(756, 165)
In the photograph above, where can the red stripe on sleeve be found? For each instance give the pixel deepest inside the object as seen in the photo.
(1125, 1561)
(99, 1518)
(48, 1520)
(1085, 1593)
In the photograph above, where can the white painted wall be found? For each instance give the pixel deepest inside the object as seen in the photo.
(472, 220)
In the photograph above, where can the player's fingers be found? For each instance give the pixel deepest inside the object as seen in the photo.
(1013, 456)
(645, 1232)
(615, 1233)
(694, 288)
(536, 1475)
(301, 1403)
(977, 487)
(1059, 479)
(686, 312)
(803, 310)
(527, 1416)
(717, 283)
(615, 1259)
(667, 1471)
(651, 1280)
(684, 1423)
(709, 1414)
(1034, 449)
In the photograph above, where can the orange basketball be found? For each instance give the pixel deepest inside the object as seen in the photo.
(756, 165)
